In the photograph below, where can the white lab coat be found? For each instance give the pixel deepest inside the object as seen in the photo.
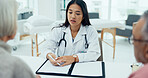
(78, 46)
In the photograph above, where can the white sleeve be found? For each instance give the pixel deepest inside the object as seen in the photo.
(93, 51)
(51, 43)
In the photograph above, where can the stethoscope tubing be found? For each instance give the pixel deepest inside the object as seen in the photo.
(63, 39)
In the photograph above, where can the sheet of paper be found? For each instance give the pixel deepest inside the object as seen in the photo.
(88, 69)
(49, 68)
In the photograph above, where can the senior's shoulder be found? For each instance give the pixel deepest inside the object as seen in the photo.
(20, 65)
(144, 68)
(140, 73)
(14, 60)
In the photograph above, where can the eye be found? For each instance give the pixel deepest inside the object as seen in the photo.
(70, 12)
(78, 14)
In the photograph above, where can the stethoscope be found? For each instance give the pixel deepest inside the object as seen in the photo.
(63, 39)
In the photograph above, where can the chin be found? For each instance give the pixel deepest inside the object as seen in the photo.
(143, 61)
(73, 24)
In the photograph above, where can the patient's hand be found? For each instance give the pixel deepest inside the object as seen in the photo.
(54, 62)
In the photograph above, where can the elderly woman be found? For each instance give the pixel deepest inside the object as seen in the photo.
(10, 66)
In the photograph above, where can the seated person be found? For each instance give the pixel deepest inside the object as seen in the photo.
(10, 67)
(140, 42)
(75, 40)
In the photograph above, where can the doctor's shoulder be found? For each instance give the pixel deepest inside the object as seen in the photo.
(58, 28)
(90, 28)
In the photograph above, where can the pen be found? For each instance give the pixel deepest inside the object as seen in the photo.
(53, 59)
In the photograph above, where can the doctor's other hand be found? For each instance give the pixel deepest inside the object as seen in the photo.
(53, 61)
(38, 76)
(66, 60)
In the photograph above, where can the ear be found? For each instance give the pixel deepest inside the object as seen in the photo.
(12, 36)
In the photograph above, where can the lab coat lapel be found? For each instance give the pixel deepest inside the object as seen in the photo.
(68, 35)
(80, 34)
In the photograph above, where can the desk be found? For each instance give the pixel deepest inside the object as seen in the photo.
(107, 26)
(112, 70)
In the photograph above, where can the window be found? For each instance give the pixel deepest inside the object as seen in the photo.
(115, 9)
(99, 6)
(121, 9)
(25, 5)
(25, 9)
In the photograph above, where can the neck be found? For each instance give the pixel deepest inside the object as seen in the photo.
(75, 28)
(5, 38)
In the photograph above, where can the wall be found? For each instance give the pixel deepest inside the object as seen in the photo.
(47, 8)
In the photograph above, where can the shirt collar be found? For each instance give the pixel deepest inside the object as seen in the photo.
(82, 30)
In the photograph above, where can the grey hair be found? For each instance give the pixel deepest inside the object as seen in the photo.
(145, 28)
(8, 17)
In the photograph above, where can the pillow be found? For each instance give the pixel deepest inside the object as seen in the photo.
(39, 20)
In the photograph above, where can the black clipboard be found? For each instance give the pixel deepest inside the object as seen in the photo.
(70, 71)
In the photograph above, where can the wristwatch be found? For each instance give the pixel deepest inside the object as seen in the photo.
(75, 57)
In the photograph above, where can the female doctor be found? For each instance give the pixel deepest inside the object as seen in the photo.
(75, 40)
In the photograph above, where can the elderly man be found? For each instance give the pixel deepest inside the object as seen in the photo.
(140, 41)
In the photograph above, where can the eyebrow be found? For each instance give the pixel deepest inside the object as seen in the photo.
(77, 11)
(71, 10)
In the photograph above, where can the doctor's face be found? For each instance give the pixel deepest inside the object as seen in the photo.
(75, 15)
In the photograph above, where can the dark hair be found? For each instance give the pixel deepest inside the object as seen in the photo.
(83, 6)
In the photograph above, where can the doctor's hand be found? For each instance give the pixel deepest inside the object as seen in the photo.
(38, 76)
(54, 62)
(66, 60)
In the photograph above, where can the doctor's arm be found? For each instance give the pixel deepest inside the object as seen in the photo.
(51, 45)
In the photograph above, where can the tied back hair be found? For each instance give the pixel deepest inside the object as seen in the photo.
(82, 4)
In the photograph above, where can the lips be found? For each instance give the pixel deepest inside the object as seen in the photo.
(72, 21)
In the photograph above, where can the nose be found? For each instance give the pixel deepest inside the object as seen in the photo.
(73, 16)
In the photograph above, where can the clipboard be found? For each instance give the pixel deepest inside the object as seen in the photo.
(72, 70)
